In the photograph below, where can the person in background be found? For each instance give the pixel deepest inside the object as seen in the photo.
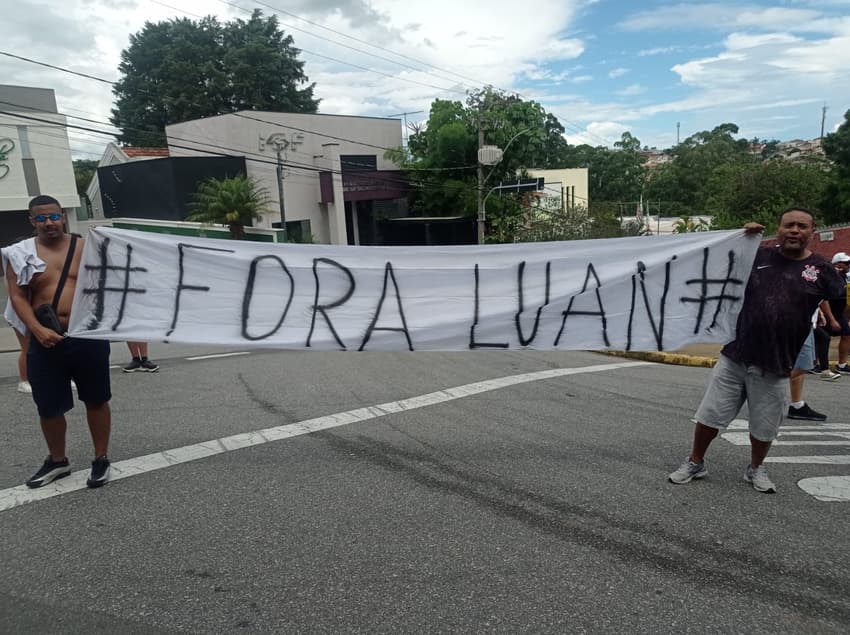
(18, 327)
(822, 330)
(139, 361)
(798, 408)
(838, 309)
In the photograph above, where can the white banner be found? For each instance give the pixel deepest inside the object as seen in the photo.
(639, 293)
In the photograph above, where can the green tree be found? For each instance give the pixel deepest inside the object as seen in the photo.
(84, 171)
(441, 158)
(235, 202)
(836, 146)
(182, 69)
(615, 175)
(760, 191)
(686, 183)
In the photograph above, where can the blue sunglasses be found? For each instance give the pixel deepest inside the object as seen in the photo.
(42, 218)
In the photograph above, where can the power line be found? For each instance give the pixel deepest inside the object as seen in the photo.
(352, 48)
(478, 83)
(372, 44)
(236, 150)
(403, 184)
(58, 68)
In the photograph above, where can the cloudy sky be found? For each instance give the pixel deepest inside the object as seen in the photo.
(601, 66)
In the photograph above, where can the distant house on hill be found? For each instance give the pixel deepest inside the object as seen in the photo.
(653, 157)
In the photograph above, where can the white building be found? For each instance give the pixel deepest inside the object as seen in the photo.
(564, 189)
(335, 181)
(35, 157)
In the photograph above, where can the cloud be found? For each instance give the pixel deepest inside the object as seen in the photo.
(659, 50)
(717, 16)
(757, 60)
(632, 90)
(598, 133)
(617, 72)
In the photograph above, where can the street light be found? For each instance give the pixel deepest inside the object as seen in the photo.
(495, 156)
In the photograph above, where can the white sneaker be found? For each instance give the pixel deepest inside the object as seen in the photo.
(760, 480)
(24, 387)
(828, 375)
(688, 471)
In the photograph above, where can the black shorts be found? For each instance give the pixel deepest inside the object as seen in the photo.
(845, 326)
(50, 371)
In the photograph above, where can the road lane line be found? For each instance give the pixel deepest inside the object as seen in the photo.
(217, 355)
(22, 495)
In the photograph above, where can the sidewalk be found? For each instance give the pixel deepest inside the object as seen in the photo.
(703, 355)
(8, 341)
(696, 355)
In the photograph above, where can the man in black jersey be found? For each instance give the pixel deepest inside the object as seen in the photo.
(786, 284)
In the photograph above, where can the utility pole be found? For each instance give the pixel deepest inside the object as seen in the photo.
(823, 120)
(481, 220)
(280, 191)
(678, 124)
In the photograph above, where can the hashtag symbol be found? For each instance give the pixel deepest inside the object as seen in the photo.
(102, 288)
(704, 298)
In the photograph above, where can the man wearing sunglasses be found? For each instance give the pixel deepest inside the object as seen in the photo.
(43, 275)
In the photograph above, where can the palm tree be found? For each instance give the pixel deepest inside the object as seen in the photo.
(234, 202)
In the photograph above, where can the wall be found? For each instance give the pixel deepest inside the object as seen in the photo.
(35, 157)
(46, 144)
(566, 179)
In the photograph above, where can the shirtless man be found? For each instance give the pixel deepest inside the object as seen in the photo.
(54, 359)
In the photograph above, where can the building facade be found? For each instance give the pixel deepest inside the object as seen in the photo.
(35, 157)
(325, 175)
(565, 189)
(114, 154)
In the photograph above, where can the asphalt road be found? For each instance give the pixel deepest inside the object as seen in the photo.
(534, 507)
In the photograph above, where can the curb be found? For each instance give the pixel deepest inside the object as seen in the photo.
(676, 359)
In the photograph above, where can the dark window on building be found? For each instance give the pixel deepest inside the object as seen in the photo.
(358, 162)
(297, 231)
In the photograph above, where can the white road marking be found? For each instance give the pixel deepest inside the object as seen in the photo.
(743, 424)
(829, 489)
(194, 359)
(834, 489)
(815, 459)
(21, 495)
(743, 438)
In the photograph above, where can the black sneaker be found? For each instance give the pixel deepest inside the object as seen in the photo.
(49, 471)
(133, 366)
(844, 369)
(99, 472)
(804, 412)
(148, 366)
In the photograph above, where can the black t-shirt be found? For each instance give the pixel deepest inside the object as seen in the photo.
(780, 299)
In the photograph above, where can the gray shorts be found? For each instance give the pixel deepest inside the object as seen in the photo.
(731, 384)
(806, 356)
